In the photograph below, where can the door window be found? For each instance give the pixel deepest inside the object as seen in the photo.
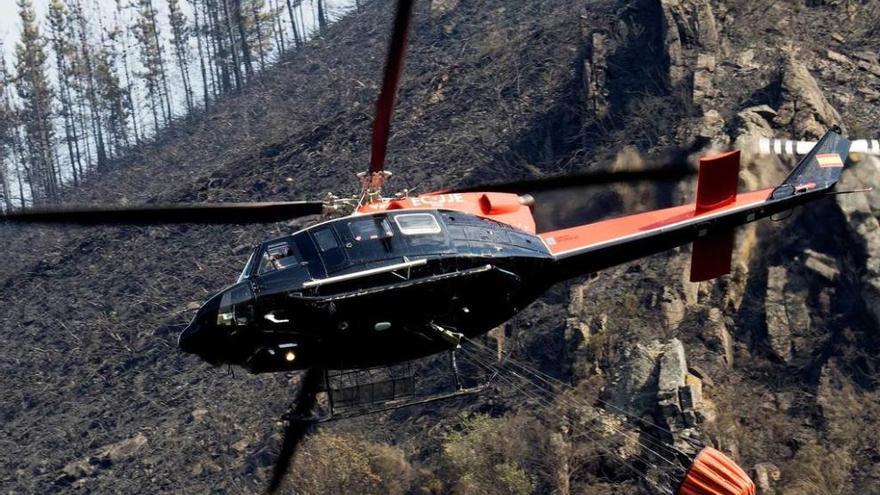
(370, 229)
(370, 239)
(329, 248)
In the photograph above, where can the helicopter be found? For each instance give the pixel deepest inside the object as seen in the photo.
(388, 279)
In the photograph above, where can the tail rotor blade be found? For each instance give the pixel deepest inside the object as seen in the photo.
(299, 425)
(787, 147)
(393, 69)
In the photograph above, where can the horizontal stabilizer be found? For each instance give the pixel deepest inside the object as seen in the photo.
(711, 255)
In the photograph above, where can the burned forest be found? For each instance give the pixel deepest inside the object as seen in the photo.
(598, 386)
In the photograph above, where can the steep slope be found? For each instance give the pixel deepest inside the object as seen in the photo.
(91, 318)
(98, 399)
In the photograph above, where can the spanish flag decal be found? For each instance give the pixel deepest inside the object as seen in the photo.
(831, 160)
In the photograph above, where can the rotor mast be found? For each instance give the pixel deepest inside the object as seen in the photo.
(373, 180)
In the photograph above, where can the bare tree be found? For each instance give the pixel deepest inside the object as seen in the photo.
(180, 42)
(36, 95)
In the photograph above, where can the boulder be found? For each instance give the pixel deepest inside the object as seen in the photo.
(694, 21)
(757, 170)
(745, 59)
(821, 264)
(765, 476)
(706, 61)
(734, 285)
(102, 458)
(241, 249)
(805, 109)
(712, 127)
(869, 94)
(123, 450)
(79, 469)
(872, 68)
(440, 7)
(867, 56)
(837, 57)
(198, 415)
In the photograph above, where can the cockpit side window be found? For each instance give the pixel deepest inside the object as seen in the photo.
(279, 256)
(236, 307)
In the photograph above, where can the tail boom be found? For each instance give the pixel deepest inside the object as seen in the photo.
(596, 246)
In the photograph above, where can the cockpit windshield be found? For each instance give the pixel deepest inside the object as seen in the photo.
(248, 267)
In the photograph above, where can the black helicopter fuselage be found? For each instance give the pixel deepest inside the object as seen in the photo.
(370, 290)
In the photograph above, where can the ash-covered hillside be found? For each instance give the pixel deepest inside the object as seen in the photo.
(784, 350)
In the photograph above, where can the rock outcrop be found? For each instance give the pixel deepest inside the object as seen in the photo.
(717, 336)
(787, 315)
(656, 377)
(862, 211)
(704, 89)
(688, 24)
(633, 386)
(595, 75)
(805, 111)
(679, 393)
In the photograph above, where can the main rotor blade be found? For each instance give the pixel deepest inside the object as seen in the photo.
(670, 165)
(583, 179)
(299, 425)
(393, 69)
(220, 213)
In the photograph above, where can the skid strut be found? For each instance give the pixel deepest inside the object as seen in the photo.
(453, 338)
